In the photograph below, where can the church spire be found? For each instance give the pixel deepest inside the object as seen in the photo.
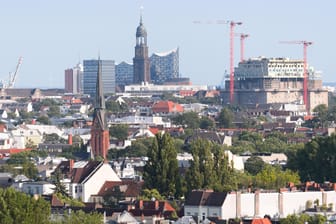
(141, 10)
(100, 100)
(100, 139)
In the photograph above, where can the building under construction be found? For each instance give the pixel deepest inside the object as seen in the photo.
(275, 80)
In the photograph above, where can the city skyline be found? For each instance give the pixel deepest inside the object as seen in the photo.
(56, 35)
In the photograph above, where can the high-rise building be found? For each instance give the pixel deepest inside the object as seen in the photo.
(73, 79)
(90, 76)
(124, 74)
(141, 60)
(275, 80)
(164, 66)
(100, 140)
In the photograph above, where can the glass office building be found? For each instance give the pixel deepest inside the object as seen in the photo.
(90, 76)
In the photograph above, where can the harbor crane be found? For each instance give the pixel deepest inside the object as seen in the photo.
(12, 76)
(305, 69)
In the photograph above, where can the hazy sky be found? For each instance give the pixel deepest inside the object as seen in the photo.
(54, 35)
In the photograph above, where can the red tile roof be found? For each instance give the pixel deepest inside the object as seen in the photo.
(167, 107)
(154, 130)
(261, 221)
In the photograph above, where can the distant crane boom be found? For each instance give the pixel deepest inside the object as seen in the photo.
(12, 77)
(305, 69)
(242, 36)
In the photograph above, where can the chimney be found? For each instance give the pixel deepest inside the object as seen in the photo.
(70, 139)
(141, 204)
(71, 164)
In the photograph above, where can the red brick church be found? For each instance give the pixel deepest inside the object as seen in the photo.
(100, 140)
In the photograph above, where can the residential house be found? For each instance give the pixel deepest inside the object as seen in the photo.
(194, 107)
(37, 187)
(47, 129)
(145, 210)
(6, 140)
(23, 136)
(86, 177)
(125, 218)
(6, 179)
(167, 107)
(3, 114)
(126, 191)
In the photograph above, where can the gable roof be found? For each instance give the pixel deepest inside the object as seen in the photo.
(167, 107)
(208, 135)
(206, 198)
(79, 174)
(133, 188)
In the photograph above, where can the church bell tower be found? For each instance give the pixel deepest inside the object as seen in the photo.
(141, 61)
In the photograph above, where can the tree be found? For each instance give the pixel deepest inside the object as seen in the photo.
(113, 197)
(60, 187)
(188, 119)
(161, 169)
(21, 160)
(54, 111)
(206, 123)
(254, 165)
(17, 207)
(43, 120)
(209, 168)
(116, 107)
(272, 177)
(303, 218)
(316, 161)
(81, 217)
(149, 194)
(225, 118)
(53, 138)
(322, 112)
(119, 131)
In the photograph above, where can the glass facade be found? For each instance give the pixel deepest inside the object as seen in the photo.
(90, 76)
(124, 74)
(164, 66)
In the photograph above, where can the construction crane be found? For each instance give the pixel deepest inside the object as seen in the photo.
(232, 26)
(242, 36)
(305, 69)
(12, 76)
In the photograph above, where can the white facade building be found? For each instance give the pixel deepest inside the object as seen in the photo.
(32, 188)
(88, 177)
(141, 120)
(258, 204)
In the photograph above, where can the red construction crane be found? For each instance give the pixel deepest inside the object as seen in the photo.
(242, 36)
(232, 26)
(305, 70)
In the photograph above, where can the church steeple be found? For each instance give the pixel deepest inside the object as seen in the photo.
(100, 139)
(100, 101)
